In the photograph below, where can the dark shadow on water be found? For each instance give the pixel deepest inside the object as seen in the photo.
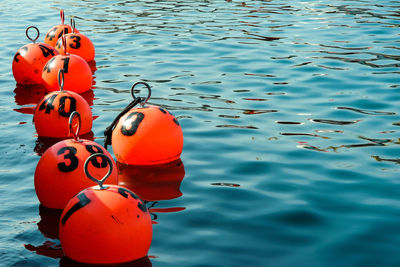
(43, 143)
(48, 226)
(33, 94)
(48, 249)
(153, 183)
(29, 95)
(143, 262)
(49, 220)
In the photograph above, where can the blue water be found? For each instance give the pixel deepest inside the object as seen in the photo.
(289, 111)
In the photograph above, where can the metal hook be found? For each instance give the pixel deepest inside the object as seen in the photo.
(64, 42)
(78, 129)
(142, 103)
(73, 24)
(61, 79)
(27, 33)
(99, 182)
(62, 16)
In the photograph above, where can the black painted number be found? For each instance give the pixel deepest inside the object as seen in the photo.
(48, 65)
(93, 149)
(46, 51)
(52, 33)
(16, 57)
(130, 126)
(65, 66)
(65, 29)
(59, 44)
(23, 50)
(167, 112)
(72, 106)
(71, 162)
(48, 104)
(76, 41)
(125, 193)
(83, 201)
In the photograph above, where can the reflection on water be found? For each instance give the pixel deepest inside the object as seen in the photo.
(48, 226)
(154, 182)
(143, 262)
(43, 143)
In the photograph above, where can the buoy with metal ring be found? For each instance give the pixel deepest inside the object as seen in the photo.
(30, 59)
(77, 44)
(60, 173)
(144, 135)
(76, 70)
(55, 32)
(105, 224)
(53, 111)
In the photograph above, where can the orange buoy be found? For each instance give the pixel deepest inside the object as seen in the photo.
(77, 72)
(60, 174)
(77, 44)
(53, 111)
(145, 135)
(30, 59)
(153, 182)
(105, 224)
(57, 31)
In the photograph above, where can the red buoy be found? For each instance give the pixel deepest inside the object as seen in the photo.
(147, 135)
(53, 111)
(105, 224)
(60, 171)
(30, 59)
(78, 75)
(77, 44)
(57, 31)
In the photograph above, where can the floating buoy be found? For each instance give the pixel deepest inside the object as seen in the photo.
(57, 31)
(153, 182)
(77, 72)
(145, 135)
(60, 175)
(30, 59)
(53, 111)
(105, 224)
(77, 44)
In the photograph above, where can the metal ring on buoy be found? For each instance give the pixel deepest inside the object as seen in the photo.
(61, 80)
(76, 133)
(99, 182)
(27, 33)
(142, 103)
(73, 24)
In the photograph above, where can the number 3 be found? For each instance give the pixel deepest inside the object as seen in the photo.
(73, 160)
(76, 40)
